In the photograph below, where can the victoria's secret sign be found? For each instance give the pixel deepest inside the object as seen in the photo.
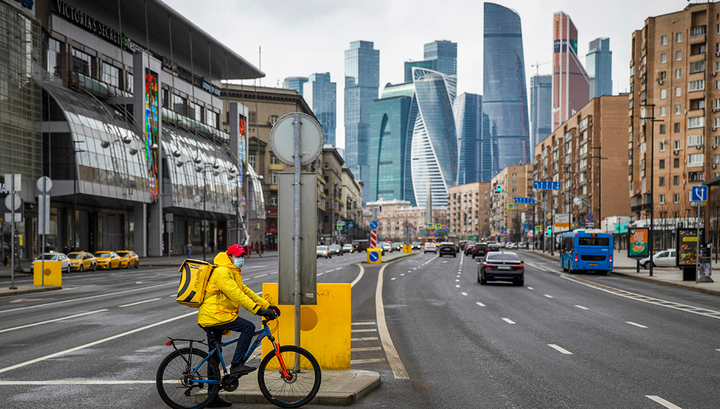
(81, 19)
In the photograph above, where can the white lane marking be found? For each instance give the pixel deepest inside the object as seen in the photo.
(402, 274)
(508, 320)
(409, 271)
(582, 308)
(548, 296)
(465, 294)
(365, 339)
(366, 361)
(718, 350)
(139, 302)
(480, 304)
(339, 268)
(390, 352)
(530, 288)
(457, 285)
(67, 351)
(364, 323)
(364, 330)
(394, 278)
(319, 274)
(635, 324)
(662, 402)
(560, 349)
(54, 320)
(261, 275)
(359, 277)
(457, 281)
(365, 349)
(87, 298)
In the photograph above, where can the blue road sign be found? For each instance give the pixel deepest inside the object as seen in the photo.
(374, 256)
(524, 200)
(540, 185)
(502, 229)
(589, 217)
(373, 224)
(527, 227)
(350, 224)
(698, 193)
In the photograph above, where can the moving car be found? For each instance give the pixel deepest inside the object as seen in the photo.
(128, 258)
(386, 247)
(348, 248)
(415, 245)
(323, 251)
(493, 247)
(107, 259)
(665, 258)
(62, 258)
(335, 249)
(397, 246)
(447, 248)
(81, 261)
(469, 248)
(430, 246)
(501, 266)
(479, 250)
(511, 245)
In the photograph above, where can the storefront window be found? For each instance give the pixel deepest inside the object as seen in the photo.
(82, 63)
(54, 57)
(111, 75)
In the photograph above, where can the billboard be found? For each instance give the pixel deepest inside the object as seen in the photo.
(686, 246)
(151, 130)
(638, 242)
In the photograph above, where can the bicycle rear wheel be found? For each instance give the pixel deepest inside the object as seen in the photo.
(177, 380)
(304, 381)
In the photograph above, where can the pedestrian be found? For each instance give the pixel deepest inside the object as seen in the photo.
(262, 247)
(66, 250)
(188, 248)
(224, 295)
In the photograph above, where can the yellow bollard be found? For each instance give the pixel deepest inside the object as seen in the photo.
(52, 273)
(325, 327)
(374, 256)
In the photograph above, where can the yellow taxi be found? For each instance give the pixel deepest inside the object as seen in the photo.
(128, 259)
(107, 259)
(82, 260)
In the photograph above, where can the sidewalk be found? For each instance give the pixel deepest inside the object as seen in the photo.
(670, 276)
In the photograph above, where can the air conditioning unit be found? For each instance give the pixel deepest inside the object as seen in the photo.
(714, 128)
(717, 54)
(676, 152)
(660, 82)
(714, 165)
(698, 147)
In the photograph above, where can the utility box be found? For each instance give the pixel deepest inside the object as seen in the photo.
(51, 276)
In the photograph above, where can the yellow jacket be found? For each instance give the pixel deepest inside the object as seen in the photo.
(225, 293)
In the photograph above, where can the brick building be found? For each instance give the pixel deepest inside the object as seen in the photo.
(508, 224)
(468, 210)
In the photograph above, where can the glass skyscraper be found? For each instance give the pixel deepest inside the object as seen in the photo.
(468, 125)
(598, 62)
(434, 150)
(295, 83)
(540, 108)
(362, 80)
(571, 84)
(321, 96)
(505, 94)
(443, 54)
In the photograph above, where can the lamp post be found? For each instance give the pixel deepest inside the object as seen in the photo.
(652, 120)
(204, 169)
(600, 159)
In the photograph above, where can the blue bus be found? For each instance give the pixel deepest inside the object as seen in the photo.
(586, 251)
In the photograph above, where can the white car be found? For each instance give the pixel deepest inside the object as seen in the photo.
(348, 248)
(430, 246)
(62, 258)
(665, 258)
(386, 247)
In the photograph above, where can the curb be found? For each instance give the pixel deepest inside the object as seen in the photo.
(38, 289)
(390, 261)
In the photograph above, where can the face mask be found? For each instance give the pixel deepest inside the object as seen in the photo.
(239, 262)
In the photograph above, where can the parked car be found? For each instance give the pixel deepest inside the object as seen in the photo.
(523, 245)
(107, 259)
(336, 250)
(62, 258)
(128, 259)
(348, 248)
(430, 246)
(323, 251)
(665, 258)
(415, 245)
(479, 250)
(447, 248)
(386, 247)
(81, 261)
(501, 266)
(469, 248)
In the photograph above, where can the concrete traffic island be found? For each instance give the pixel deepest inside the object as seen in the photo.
(338, 388)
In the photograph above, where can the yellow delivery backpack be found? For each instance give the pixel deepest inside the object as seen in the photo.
(193, 281)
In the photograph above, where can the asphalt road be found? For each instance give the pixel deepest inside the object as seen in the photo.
(561, 341)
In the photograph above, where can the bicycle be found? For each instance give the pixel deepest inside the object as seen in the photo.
(288, 376)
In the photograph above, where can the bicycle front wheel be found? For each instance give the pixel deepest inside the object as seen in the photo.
(303, 382)
(183, 382)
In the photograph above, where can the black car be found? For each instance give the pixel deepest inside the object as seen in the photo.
(479, 250)
(447, 248)
(501, 266)
(335, 249)
(469, 248)
(493, 247)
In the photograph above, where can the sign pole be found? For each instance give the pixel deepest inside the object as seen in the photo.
(697, 243)
(12, 227)
(297, 123)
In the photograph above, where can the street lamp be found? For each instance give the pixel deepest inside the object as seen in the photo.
(652, 120)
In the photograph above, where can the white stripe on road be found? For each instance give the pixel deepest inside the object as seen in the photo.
(548, 296)
(55, 320)
(139, 302)
(67, 351)
(366, 361)
(457, 285)
(74, 382)
(529, 288)
(359, 277)
(582, 308)
(365, 349)
(508, 320)
(364, 339)
(339, 268)
(480, 304)
(635, 324)
(464, 294)
(364, 330)
(261, 275)
(560, 349)
(390, 352)
(364, 323)
(662, 402)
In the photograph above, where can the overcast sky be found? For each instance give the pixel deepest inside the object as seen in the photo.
(301, 37)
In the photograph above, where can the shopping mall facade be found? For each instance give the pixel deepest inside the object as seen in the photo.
(119, 103)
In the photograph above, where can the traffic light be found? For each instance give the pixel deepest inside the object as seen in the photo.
(549, 231)
(498, 189)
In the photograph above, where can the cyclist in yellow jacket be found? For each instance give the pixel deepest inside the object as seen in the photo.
(224, 294)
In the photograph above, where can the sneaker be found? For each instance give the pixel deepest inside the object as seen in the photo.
(219, 402)
(240, 370)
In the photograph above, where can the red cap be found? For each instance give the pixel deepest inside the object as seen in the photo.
(236, 250)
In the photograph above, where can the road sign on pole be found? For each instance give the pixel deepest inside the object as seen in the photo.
(698, 193)
(373, 224)
(540, 185)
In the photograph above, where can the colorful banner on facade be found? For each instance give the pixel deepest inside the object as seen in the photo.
(152, 131)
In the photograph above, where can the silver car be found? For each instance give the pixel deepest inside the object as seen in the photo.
(665, 258)
(62, 258)
(324, 251)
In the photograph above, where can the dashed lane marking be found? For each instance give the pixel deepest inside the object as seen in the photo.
(635, 324)
(548, 296)
(509, 321)
(364, 323)
(465, 294)
(364, 339)
(365, 349)
(54, 320)
(662, 401)
(364, 330)
(480, 304)
(560, 349)
(366, 361)
(139, 302)
(530, 288)
(582, 308)
(457, 285)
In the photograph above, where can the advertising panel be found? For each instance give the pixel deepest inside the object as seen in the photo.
(687, 246)
(638, 242)
(151, 130)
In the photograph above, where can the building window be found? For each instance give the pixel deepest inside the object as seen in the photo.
(677, 145)
(695, 176)
(273, 178)
(676, 127)
(716, 159)
(678, 55)
(676, 180)
(678, 37)
(695, 140)
(274, 160)
(82, 63)
(663, 58)
(678, 91)
(662, 164)
(662, 146)
(252, 159)
(677, 109)
(676, 164)
(54, 57)
(663, 40)
(678, 73)
(698, 85)
(662, 199)
(716, 140)
(695, 159)
(676, 199)
(179, 104)
(697, 66)
(110, 75)
(696, 122)
(663, 111)
(663, 93)
(661, 181)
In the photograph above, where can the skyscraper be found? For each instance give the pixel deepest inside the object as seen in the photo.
(434, 151)
(443, 55)
(295, 83)
(321, 95)
(468, 127)
(505, 95)
(599, 67)
(362, 79)
(571, 84)
(540, 108)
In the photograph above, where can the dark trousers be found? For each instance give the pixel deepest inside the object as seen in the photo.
(241, 325)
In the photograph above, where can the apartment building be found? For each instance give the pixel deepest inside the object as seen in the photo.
(393, 216)
(510, 221)
(587, 155)
(468, 210)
